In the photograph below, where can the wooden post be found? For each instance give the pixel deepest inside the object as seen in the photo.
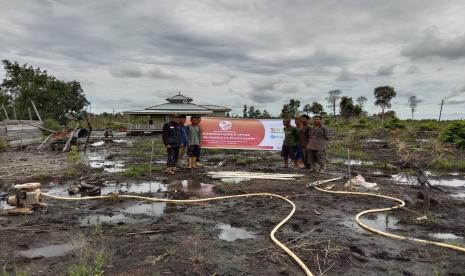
(21, 146)
(68, 143)
(350, 173)
(440, 112)
(151, 157)
(29, 111)
(6, 113)
(90, 131)
(14, 112)
(45, 141)
(43, 128)
(37, 112)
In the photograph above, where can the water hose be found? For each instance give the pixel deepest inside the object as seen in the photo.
(383, 233)
(155, 199)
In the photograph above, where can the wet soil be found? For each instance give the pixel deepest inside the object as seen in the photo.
(228, 237)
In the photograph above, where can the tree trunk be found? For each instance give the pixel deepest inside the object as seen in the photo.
(382, 116)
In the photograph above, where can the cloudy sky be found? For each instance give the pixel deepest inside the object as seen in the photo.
(132, 54)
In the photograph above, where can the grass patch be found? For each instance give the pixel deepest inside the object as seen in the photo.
(448, 164)
(143, 148)
(341, 152)
(89, 265)
(141, 169)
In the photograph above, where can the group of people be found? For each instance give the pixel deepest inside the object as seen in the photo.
(179, 139)
(305, 143)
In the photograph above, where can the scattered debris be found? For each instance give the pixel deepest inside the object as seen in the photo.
(359, 181)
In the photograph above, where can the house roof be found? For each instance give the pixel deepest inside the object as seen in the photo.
(179, 104)
(216, 107)
(179, 99)
(168, 108)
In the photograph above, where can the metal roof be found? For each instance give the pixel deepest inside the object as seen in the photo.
(179, 99)
(168, 108)
(216, 107)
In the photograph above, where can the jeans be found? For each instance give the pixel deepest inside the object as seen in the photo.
(194, 151)
(173, 155)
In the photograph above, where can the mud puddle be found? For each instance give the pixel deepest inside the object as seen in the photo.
(447, 181)
(99, 161)
(49, 251)
(380, 221)
(192, 186)
(234, 180)
(230, 233)
(353, 162)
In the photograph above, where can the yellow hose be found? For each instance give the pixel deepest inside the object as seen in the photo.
(386, 234)
(272, 234)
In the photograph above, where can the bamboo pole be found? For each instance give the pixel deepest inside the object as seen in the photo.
(37, 112)
(440, 111)
(30, 115)
(151, 157)
(67, 145)
(43, 128)
(45, 141)
(6, 113)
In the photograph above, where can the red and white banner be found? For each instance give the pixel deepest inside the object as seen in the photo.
(234, 133)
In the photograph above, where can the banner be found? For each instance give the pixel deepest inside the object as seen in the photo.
(234, 133)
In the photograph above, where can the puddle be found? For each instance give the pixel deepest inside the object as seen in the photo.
(445, 236)
(97, 144)
(150, 209)
(412, 180)
(353, 162)
(49, 251)
(137, 188)
(459, 195)
(234, 180)
(97, 161)
(107, 219)
(381, 222)
(192, 186)
(229, 233)
(119, 141)
(370, 140)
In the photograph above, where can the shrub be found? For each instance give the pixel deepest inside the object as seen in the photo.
(455, 134)
(430, 126)
(52, 124)
(394, 124)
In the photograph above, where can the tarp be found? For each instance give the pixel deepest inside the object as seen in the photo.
(238, 133)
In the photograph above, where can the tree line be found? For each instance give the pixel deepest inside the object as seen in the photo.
(55, 99)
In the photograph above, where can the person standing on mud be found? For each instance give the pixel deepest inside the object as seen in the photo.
(303, 139)
(184, 141)
(291, 137)
(298, 147)
(194, 135)
(316, 145)
(172, 140)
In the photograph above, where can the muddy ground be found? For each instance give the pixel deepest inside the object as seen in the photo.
(228, 237)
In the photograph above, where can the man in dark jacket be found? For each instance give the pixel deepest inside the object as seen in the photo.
(172, 140)
(317, 141)
(303, 139)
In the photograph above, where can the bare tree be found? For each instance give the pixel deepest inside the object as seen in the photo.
(332, 99)
(413, 102)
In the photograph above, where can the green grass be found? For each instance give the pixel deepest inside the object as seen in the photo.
(341, 152)
(448, 164)
(141, 169)
(143, 148)
(87, 267)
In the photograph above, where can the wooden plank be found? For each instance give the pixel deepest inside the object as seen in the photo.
(17, 143)
(18, 137)
(18, 128)
(18, 122)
